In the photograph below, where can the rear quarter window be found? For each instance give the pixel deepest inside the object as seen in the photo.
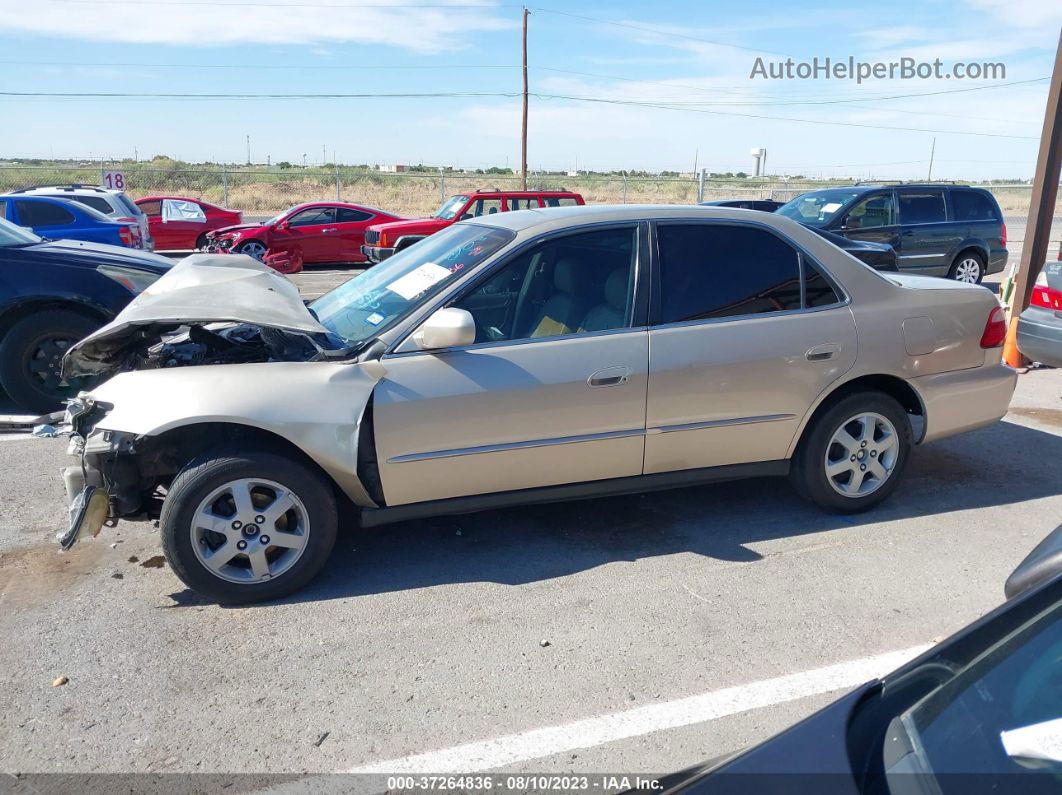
(557, 201)
(972, 205)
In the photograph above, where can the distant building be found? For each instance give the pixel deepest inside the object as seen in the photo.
(394, 169)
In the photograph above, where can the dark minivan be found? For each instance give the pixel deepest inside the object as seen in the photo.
(937, 229)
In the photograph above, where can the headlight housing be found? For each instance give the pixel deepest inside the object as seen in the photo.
(133, 279)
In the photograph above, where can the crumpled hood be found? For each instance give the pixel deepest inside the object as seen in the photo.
(234, 229)
(201, 288)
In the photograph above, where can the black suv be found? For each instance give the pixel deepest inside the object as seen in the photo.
(937, 229)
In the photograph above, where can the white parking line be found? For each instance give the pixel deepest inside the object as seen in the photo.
(538, 743)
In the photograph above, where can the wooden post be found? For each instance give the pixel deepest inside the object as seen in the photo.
(523, 127)
(1041, 208)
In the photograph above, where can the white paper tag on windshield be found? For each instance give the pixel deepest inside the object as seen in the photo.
(415, 282)
(831, 206)
(1039, 741)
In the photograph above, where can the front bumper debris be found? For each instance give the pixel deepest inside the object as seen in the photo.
(88, 512)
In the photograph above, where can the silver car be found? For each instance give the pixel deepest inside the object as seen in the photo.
(524, 357)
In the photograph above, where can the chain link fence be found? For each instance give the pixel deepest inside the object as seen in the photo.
(260, 190)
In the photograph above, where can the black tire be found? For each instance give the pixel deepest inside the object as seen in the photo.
(201, 242)
(31, 354)
(808, 470)
(964, 262)
(201, 477)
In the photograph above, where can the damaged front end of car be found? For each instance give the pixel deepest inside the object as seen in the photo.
(135, 431)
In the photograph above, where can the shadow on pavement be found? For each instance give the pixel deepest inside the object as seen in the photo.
(1004, 464)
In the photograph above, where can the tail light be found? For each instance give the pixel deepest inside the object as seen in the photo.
(995, 329)
(1003, 236)
(126, 235)
(1045, 296)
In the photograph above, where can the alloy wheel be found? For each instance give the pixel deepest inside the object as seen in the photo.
(44, 363)
(254, 249)
(250, 530)
(861, 454)
(968, 270)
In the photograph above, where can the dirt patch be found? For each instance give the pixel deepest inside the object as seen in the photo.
(29, 573)
(1046, 416)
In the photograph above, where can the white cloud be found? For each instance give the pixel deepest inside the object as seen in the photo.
(1036, 14)
(422, 30)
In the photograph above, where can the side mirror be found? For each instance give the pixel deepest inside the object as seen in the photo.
(446, 328)
(1040, 565)
(282, 226)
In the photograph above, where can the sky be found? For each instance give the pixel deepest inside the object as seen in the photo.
(659, 85)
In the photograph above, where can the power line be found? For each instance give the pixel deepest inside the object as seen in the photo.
(780, 118)
(212, 4)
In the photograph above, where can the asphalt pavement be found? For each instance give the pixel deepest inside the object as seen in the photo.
(638, 633)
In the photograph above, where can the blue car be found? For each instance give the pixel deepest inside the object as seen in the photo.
(62, 219)
(52, 294)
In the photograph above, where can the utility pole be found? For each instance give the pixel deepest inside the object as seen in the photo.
(1041, 209)
(932, 151)
(523, 127)
(248, 150)
(324, 155)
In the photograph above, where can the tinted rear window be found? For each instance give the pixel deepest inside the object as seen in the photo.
(553, 201)
(42, 213)
(972, 205)
(715, 270)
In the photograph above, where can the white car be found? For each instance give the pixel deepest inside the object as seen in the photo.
(522, 357)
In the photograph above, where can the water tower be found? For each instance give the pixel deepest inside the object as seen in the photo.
(759, 160)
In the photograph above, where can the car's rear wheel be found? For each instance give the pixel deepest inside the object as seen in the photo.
(252, 248)
(31, 358)
(248, 525)
(853, 454)
(969, 267)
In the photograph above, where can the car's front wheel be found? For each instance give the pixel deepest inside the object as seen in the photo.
(853, 454)
(247, 525)
(253, 248)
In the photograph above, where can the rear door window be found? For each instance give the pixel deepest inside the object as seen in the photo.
(715, 270)
(972, 205)
(42, 213)
(922, 207)
(557, 201)
(95, 202)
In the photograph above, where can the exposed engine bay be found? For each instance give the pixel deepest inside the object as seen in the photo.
(157, 346)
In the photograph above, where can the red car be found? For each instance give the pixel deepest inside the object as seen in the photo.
(177, 223)
(319, 231)
(384, 239)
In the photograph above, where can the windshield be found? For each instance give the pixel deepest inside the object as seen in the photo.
(11, 235)
(451, 207)
(999, 715)
(817, 208)
(362, 307)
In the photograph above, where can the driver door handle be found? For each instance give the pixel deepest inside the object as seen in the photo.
(609, 376)
(328, 230)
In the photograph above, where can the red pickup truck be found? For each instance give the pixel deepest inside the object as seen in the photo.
(383, 240)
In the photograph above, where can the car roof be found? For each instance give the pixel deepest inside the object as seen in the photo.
(518, 193)
(89, 189)
(559, 217)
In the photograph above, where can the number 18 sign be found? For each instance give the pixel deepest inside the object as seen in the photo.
(114, 180)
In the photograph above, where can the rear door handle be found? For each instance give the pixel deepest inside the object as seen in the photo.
(609, 376)
(821, 353)
(328, 230)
